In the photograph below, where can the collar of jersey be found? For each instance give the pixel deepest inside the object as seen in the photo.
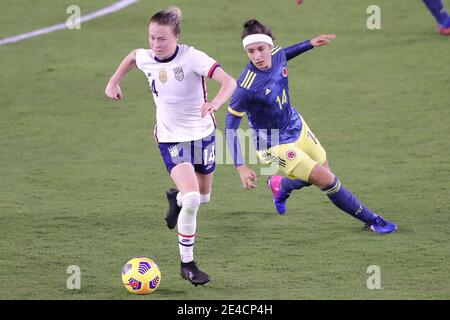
(169, 58)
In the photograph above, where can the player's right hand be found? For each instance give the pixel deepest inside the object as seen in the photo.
(113, 91)
(248, 177)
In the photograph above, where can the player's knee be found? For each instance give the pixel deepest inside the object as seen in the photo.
(321, 177)
(191, 201)
(204, 198)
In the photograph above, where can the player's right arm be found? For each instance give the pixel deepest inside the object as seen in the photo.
(113, 90)
(247, 175)
(236, 111)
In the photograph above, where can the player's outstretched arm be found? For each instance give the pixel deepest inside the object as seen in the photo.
(322, 40)
(302, 47)
(113, 90)
(227, 86)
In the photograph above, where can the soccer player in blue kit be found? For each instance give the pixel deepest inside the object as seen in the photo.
(436, 8)
(280, 134)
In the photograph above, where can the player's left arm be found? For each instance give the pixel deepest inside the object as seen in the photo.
(227, 86)
(322, 40)
(299, 48)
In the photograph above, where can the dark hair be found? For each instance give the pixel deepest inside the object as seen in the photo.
(253, 26)
(169, 17)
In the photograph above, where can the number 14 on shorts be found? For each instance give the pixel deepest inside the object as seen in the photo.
(209, 155)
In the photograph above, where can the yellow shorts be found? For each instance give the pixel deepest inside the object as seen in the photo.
(300, 156)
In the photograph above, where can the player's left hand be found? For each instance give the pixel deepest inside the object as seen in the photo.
(322, 40)
(208, 108)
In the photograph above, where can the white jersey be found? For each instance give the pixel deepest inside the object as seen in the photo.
(179, 90)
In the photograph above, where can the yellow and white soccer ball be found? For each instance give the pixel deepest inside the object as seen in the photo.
(141, 275)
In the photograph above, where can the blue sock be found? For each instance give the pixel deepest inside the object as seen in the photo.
(346, 201)
(446, 23)
(287, 185)
(436, 8)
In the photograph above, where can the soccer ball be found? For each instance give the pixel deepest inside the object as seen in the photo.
(141, 275)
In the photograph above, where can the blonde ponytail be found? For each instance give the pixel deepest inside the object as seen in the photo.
(175, 11)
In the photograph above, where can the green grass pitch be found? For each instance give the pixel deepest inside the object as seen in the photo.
(82, 182)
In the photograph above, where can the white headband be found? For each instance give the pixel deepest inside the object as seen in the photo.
(258, 37)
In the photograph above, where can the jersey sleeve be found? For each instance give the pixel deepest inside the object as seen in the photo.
(203, 64)
(239, 101)
(297, 49)
(139, 58)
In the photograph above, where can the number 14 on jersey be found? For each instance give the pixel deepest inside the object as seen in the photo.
(281, 101)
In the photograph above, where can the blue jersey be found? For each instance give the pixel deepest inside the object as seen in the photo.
(264, 96)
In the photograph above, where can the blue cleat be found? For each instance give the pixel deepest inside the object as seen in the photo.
(382, 226)
(278, 195)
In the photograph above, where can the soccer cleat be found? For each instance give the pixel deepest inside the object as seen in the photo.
(174, 210)
(445, 31)
(278, 195)
(190, 271)
(382, 226)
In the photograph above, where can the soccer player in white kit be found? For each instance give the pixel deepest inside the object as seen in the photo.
(185, 124)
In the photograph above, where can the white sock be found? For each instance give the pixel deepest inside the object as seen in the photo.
(179, 199)
(187, 222)
(204, 198)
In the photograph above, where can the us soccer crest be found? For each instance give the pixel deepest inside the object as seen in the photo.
(178, 72)
(173, 150)
(163, 76)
